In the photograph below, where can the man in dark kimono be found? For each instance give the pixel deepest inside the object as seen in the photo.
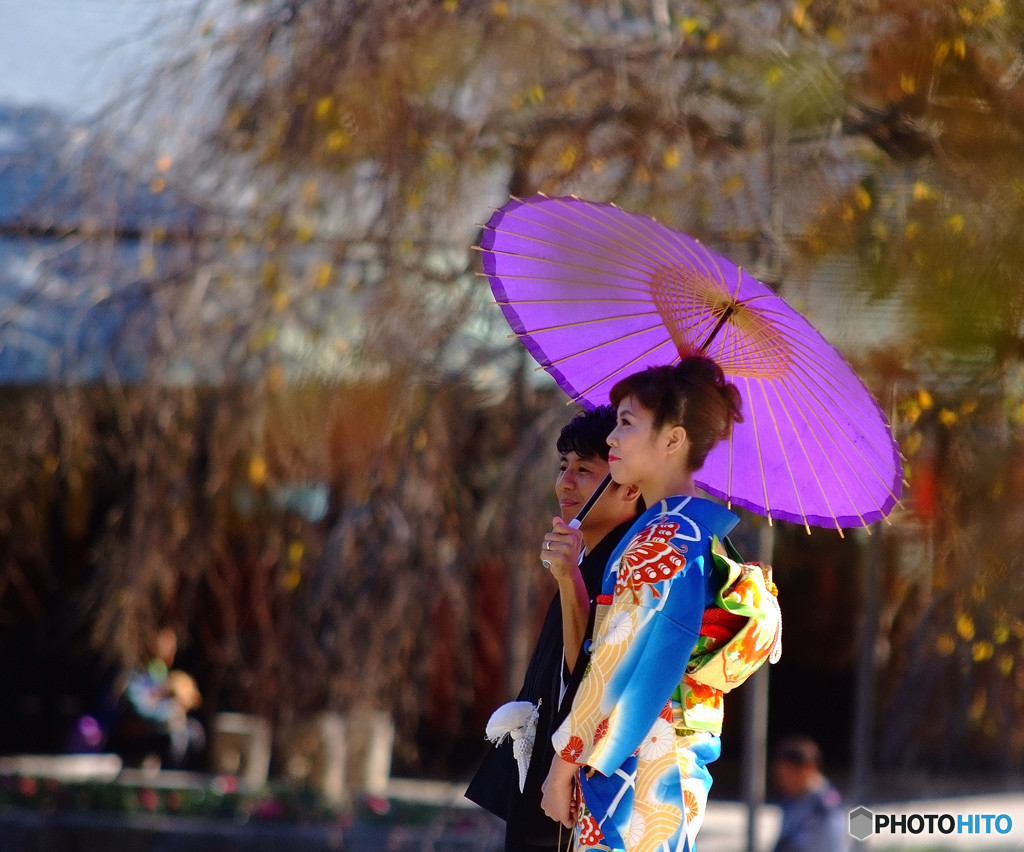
(576, 560)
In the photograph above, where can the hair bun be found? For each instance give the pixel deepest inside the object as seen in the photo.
(701, 369)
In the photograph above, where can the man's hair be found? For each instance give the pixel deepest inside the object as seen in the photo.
(587, 433)
(799, 751)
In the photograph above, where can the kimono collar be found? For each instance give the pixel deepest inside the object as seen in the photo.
(716, 519)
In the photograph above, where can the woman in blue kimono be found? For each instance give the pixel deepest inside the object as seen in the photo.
(633, 740)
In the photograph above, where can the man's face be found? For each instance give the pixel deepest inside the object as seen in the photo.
(578, 478)
(790, 779)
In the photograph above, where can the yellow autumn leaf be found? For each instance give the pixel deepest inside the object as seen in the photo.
(965, 626)
(732, 185)
(420, 440)
(337, 140)
(912, 444)
(945, 645)
(947, 418)
(994, 9)
(439, 161)
(257, 470)
(982, 651)
(324, 107)
(322, 277)
(924, 399)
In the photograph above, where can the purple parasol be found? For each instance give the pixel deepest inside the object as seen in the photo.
(596, 293)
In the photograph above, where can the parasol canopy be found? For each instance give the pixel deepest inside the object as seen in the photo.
(597, 293)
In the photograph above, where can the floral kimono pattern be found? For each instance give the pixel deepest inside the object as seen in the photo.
(643, 779)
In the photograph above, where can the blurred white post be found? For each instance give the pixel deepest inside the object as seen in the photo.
(755, 722)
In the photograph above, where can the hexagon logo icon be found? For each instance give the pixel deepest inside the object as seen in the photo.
(862, 823)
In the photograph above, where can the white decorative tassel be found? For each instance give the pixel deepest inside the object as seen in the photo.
(517, 719)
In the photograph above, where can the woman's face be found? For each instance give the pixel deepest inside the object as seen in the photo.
(635, 455)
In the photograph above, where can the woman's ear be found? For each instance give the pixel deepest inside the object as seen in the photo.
(631, 493)
(675, 439)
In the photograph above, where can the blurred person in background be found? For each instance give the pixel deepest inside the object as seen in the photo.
(157, 725)
(813, 816)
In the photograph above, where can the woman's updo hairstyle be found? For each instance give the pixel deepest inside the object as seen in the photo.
(693, 394)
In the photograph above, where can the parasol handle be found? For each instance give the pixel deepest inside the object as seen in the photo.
(578, 520)
(729, 311)
(575, 522)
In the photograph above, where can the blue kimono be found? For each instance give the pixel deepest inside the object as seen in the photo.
(643, 778)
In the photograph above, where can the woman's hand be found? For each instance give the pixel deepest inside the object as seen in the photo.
(559, 792)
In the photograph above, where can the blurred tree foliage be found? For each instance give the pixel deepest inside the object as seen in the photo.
(327, 327)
